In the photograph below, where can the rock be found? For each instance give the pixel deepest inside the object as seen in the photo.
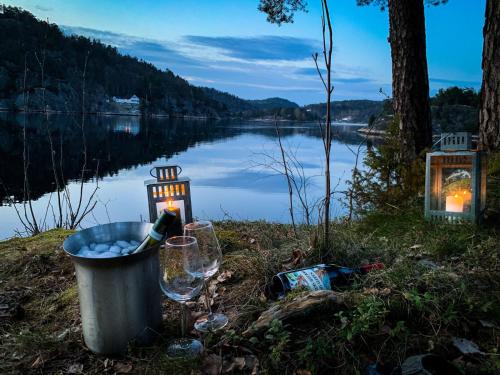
(427, 364)
(487, 323)
(63, 334)
(466, 346)
(115, 249)
(101, 248)
(300, 305)
(428, 264)
(122, 244)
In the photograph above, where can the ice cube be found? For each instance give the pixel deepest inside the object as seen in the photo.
(134, 243)
(122, 244)
(128, 250)
(84, 248)
(92, 246)
(101, 248)
(115, 249)
(106, 254)
(85, 253)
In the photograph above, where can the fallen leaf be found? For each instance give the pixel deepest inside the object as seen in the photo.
(123, 367)
(430, 346)
(237, 363)
(416, 246)
(226, 275)
(63, 334)
(466, 346)
(38, 362)
(487, 323)
(296, 259)
(75, 368)
(252, 364)
(385, 329)
(252, 241)
(429, 264)
(212, 365)
(385, 292)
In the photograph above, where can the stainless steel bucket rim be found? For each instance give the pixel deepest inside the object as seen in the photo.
(117, 260)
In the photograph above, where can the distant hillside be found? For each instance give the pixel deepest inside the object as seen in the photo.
(273, 103)
(55, 65)
(233, 103)
(245, 107)
(54, 69)
(453, 109)
(357, 111)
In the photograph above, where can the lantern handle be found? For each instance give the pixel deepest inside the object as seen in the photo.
(151, 173)
(176, 166)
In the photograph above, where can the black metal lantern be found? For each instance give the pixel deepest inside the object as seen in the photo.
(168, 191)
(455, 180)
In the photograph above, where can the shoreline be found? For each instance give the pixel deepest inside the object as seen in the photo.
(189, 117)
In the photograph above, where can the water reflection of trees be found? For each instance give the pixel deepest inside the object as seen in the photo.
(116, 142)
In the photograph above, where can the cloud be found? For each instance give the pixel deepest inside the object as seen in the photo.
(160, 53)
(454, 82)
(259, 48)
(44, 8)
(353, 80)
(252, 68)
(309, 71)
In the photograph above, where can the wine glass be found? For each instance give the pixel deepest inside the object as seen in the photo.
(211, 257)
(181, 279)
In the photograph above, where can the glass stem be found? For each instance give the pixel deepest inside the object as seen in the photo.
(183, 320)
(207, 298)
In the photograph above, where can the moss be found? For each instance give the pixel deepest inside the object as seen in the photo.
(229, 240)
(409, 307)
(68, 296)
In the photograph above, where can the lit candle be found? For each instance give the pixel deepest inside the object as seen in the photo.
(467, 195)
(176, 227)
(454, 203)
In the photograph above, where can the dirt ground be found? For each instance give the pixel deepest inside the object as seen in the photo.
(441, 283)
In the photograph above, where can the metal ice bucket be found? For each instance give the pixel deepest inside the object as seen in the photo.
(119, 297)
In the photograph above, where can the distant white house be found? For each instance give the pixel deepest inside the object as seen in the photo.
(134, 99)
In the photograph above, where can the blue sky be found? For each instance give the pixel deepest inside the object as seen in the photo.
(228, 45)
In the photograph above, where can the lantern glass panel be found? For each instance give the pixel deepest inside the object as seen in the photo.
(451, 183)
(165, 205)
(482, 196)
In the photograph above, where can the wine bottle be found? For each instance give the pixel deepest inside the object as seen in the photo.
(318, 277)
(158, 232)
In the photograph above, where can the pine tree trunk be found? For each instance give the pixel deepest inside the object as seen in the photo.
(410, 82)
(489, 114)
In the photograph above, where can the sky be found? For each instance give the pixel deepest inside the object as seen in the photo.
(229, 45)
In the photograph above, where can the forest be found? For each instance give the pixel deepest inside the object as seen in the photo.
(40, 60)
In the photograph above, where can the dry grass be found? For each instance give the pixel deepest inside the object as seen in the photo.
(405, 309)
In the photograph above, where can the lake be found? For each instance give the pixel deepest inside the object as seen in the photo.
(229, 163)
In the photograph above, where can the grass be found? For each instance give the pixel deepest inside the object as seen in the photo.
(440, 281)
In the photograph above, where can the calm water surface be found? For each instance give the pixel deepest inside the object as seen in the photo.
(224, 160)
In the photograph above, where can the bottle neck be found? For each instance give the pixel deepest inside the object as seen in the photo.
(161, 225)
